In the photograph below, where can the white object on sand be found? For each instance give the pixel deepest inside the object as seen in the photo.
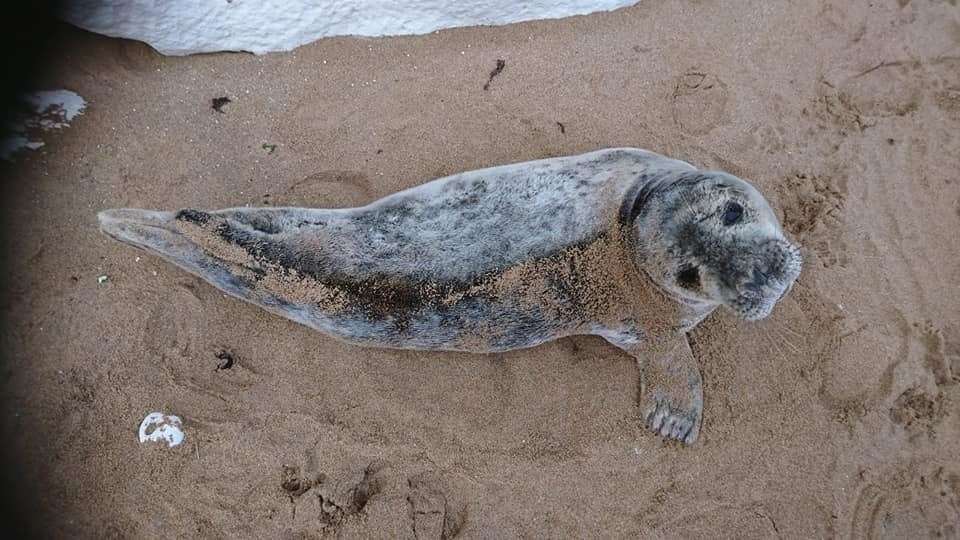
(159, 427)
(54, 109)
(45, 110)
(179, 27)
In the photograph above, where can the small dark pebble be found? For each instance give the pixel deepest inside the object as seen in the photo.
(217, 103)
(226, 359)
(291, 482)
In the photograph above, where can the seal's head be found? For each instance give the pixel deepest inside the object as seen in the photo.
(711, 238)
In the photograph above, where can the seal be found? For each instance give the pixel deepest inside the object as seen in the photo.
(621, 243)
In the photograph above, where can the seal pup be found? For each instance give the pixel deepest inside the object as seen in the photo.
(622, 243)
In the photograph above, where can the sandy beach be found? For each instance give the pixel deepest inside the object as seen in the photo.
(839, 416)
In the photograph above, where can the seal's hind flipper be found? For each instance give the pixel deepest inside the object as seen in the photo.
(221, 248)
(158, 233)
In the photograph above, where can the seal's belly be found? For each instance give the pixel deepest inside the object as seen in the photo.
(470, 325)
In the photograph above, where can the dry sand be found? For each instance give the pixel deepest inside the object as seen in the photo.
(836, 417)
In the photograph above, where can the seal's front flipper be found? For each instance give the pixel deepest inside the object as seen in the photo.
(671, 401)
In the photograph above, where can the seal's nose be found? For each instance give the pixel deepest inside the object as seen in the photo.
(759, 280)
(780, 258)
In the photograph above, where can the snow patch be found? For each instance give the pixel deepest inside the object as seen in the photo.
(179, 27)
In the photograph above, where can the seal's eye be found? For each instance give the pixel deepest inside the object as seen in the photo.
(689, 278)
(732, 214)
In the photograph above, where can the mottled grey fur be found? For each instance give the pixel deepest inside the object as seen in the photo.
(419, 269)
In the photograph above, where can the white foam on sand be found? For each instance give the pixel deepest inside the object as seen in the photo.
(42, 111)
(55, 108)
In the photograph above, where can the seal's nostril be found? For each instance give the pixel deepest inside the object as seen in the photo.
(758, 281)
(689, 277)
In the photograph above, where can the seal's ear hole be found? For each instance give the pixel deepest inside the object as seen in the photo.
(732, 214)
(689, 278)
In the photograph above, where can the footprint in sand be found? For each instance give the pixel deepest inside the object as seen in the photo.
(948, 100)
(326, 189)
(946, 86)
(813, 213)
(433, 515)
(834, 108)
(854, 102)
(918, 413)
(323, 501)
(942, 351)
(770, 139)
(175, 333)
(914, 502)
(886, 89)
(920, 410)
(891, 88)
(699, 102)
(175, 328)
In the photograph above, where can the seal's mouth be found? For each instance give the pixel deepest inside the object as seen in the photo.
(769, 282)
